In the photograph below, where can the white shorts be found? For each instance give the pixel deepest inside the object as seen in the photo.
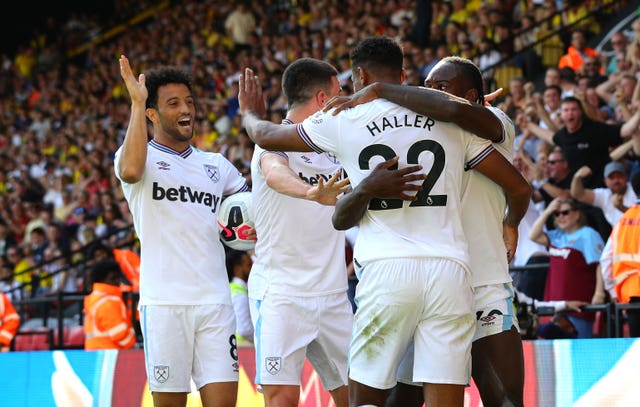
(495, 313)
(427, 301)
(190, 341)
(290, 329)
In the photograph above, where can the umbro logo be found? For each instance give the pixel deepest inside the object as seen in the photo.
(163, 166)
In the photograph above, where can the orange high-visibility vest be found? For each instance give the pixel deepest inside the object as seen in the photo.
(9, 320)
(129, 262)
(107, 323)
(574, 60)
(625, 248)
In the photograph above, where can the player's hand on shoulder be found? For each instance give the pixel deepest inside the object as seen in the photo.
(364, 95)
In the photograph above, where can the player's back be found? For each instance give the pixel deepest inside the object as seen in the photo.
(368, 134)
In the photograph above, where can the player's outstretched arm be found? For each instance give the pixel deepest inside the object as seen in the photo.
(385, 181)
(281, 178)
(266, 134)
(327, 193)
(133, 155)
(436, 104)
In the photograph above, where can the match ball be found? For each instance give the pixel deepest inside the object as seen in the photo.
(235, 219)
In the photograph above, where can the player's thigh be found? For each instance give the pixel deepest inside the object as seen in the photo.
(390, 298)
(168, 333)
(282, 333)
(329, 352)
(215, 347)
(495, 311)
(443, 337)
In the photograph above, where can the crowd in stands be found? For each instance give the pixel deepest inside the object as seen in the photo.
(65, 109)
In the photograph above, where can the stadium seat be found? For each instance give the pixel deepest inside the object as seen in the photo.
(75, 339)
(504, 74)
(33, 339)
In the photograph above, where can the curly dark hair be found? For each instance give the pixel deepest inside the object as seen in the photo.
(158, 77)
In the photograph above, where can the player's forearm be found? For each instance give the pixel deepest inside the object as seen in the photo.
(272, 136)
(350, 208)
(517, 204)
(445, 107)
(133, 155)
(283, 180)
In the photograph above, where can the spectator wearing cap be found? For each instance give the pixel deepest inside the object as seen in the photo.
(614, 199)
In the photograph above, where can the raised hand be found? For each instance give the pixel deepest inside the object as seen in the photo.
(364, 95)
(250, 97)
(327, 194)
(492, 96)
(136, 88)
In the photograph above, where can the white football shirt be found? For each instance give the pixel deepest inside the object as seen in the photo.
(483, 209)
(174, 208)
(368, 134)
(298, 251)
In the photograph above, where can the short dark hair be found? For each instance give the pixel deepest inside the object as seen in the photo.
(572, 99)
(103, 269)
(157, 77)
(381, 55)
(304, 77)
(468, 71)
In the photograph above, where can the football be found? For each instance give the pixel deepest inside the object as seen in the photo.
(235, 218)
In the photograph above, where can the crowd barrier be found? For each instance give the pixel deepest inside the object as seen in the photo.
(560, 373)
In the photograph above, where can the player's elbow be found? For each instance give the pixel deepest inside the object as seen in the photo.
(341, 222)
(130, 174)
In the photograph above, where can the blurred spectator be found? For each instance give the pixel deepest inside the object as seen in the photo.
(614, 199)
(530, 282)
(9, 322)
(619, 43)
(577, 52)
(238, 269)
(574, 250)
(240, 24)
(586, 142)
(558, 184)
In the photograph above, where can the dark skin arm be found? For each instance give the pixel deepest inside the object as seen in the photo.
(382, 182)
(436, 104)
(351, 208)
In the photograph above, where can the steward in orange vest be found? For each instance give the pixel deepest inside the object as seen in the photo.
(620, 261)
(9, 322)
(107, 323)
